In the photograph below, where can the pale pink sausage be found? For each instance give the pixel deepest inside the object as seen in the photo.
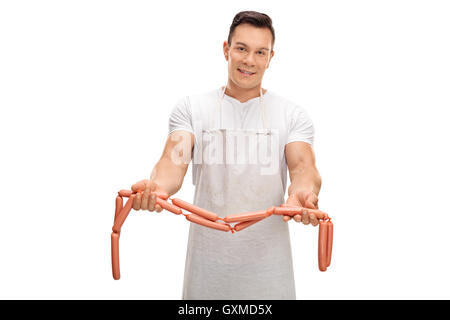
(115, 255)
(208, 223)
(119, 206)
(239, 217)
(288, 211)
(168, 206)
(323, 233)
(329, 242)
(123, 214)
(128, 193)
(194, 209)
(125, 193)
(292, 211)
(245, 224)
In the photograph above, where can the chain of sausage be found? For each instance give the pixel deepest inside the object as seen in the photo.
(209, 219)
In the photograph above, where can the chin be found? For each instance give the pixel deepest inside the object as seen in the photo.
(244, 84)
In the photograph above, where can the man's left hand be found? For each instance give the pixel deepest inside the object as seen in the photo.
(305, 199)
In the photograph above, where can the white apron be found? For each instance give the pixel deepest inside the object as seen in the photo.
(255, 263)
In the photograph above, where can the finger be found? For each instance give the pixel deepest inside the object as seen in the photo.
(152, 202)
(305, 218)
(146, 196)
(158, 208)
(313, 219)
(297, 218)
(286, 218)
(139, 186)
(152, 186)
(137, 201)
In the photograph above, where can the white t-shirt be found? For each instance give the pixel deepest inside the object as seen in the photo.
(290, 119)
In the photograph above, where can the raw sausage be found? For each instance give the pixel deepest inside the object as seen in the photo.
(123, 214)
(292, 211)
(329, 242)
(128, 193)
(289, 211)
(125, 193)
(115, 255)
(194, 209)
(239, 217)
(245, 224)
(168, 206)
(119, 206)
(323, 232)
(208, 223)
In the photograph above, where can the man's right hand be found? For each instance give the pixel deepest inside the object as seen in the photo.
(145, 197)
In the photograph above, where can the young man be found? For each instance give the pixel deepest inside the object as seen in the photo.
(242, 139)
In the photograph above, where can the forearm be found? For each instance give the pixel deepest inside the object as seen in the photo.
(305, 180)
(168, 175)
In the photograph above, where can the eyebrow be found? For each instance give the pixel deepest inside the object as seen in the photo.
(243, 44)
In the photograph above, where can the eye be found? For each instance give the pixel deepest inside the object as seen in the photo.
(261, 52)
(239, 48)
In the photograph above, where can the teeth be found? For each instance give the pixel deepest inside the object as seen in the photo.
(246, 72)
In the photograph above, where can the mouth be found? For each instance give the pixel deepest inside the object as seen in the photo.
(246, 73)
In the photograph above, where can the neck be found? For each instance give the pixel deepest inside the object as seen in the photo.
(242, 94)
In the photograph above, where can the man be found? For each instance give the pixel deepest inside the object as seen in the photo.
(228, 133)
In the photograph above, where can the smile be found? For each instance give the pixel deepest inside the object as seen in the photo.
(246, 73)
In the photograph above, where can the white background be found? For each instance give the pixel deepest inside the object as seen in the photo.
(86, 88)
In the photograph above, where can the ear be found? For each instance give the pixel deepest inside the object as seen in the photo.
(270, 58)
(226, 50)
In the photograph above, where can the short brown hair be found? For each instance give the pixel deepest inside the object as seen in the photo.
(257, 19)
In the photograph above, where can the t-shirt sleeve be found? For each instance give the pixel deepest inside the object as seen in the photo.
(301, 127)
(181, 116)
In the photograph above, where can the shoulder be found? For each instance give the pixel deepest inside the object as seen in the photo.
(288, 105)
(197, 100)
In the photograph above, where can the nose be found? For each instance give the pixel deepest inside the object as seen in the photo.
(249, 60)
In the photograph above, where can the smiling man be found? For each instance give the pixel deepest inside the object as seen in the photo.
(244, 139)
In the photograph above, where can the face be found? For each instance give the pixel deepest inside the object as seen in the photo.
(249, 55)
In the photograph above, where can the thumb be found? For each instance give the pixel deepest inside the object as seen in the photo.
(311, 201)
(293, 201)
(139, 186)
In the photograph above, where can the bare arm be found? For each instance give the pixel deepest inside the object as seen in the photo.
(170, 170)
(168, 174)
(305, 179)
(302, 168)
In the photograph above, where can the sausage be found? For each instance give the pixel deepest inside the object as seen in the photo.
(123, 214)
(194, 209)
(289, 211)
(292, 211)
(208, 223)
(128, 193)
(323, 233)
(168, 206)
(239, 217)
(329, 242)
(245, 224)
(125, 193)
(119, 206)
(115, 255)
